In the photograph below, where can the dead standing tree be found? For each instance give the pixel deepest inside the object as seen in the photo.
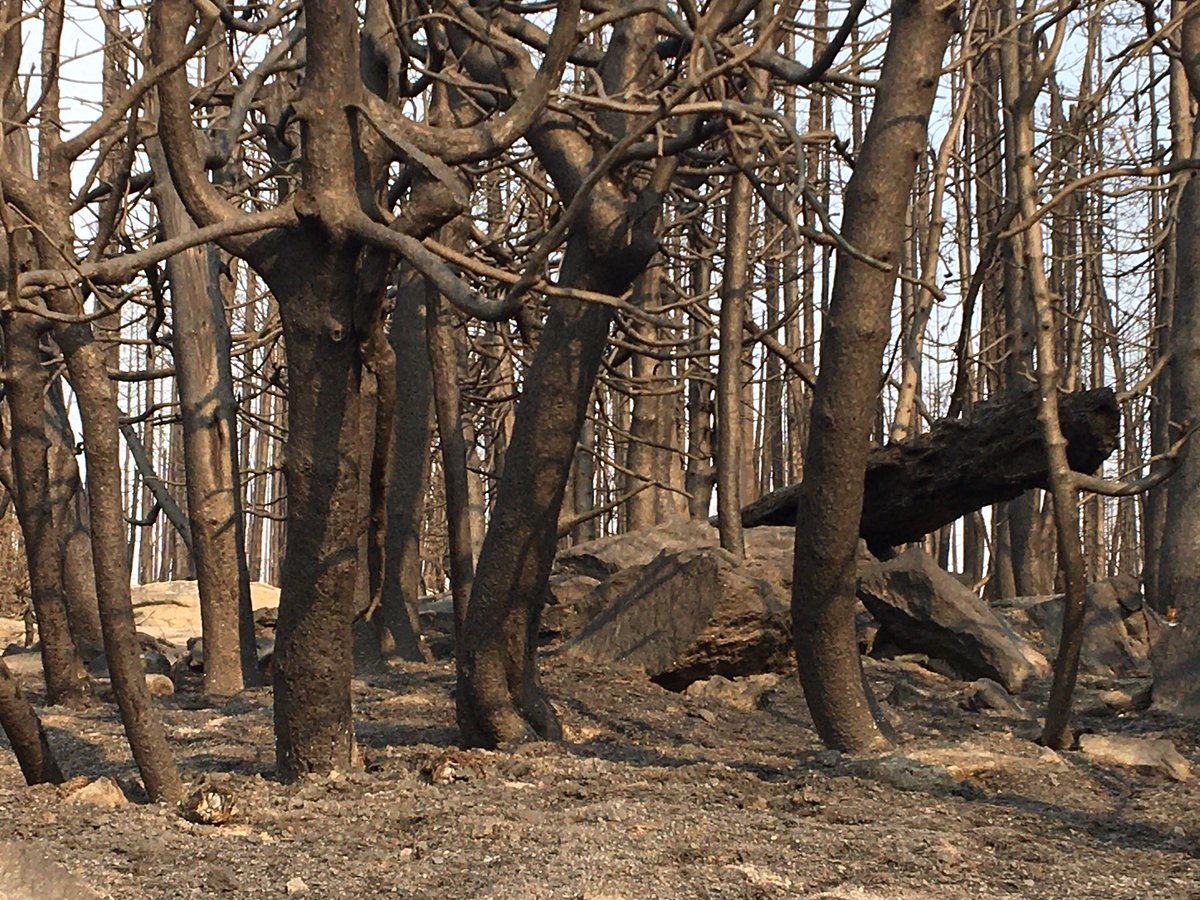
(613, 237)
(609, 225)
(39, 209)
(855, 335)
(1177, 664)
(328, 266)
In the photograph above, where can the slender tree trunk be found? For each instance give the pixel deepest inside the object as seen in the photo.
(78, 571)
(148, 476)
(584, 484)
(1177, 660)
(209, 435)
(1030, 574)
(443, 359)
(734, 297)
(1063, 489)
(1162, 415)
(97, 400)
(650, 410)
(698, 480)
(409, 480)
(855, 336)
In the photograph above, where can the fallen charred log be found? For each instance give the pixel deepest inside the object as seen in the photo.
(917, 485)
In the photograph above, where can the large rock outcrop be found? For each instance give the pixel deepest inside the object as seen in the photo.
(676, 605)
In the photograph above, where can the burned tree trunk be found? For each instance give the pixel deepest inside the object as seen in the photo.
(854, 335)
(25, 733)
(66, 680)
(396, 621)
(915, 486)
(205, 380)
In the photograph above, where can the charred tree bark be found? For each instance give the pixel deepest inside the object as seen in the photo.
(97, 400)
(856, 329)
(1177, 661)
(313, 664)
(699, 477)
(915, 486)
(78, 571)
(734, 293)
(410, 473)
(209, 410)
(66, 680)
(499, 698)
(25, 733)
(443, 359)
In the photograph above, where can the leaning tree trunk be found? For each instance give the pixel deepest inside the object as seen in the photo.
(499, 696)
(209, 413)
(500, 699)
(97, 400)
(25, 733)
(855, 336)
(66, 680)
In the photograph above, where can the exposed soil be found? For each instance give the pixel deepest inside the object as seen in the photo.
(654, 794)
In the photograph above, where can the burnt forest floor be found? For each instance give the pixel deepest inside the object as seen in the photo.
(653, 794)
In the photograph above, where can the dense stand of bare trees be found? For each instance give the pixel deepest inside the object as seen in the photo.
(377, 300)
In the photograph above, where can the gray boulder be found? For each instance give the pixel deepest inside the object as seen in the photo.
(1136, 752)
(1119, 630)
(606, 556)
(571, 602)
(924, 609)
(691, 614)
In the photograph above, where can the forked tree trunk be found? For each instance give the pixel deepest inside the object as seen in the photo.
(499, 697)
(1062, 482)
(856, 333)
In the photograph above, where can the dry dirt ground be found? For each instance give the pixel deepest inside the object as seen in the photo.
(654, 794)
